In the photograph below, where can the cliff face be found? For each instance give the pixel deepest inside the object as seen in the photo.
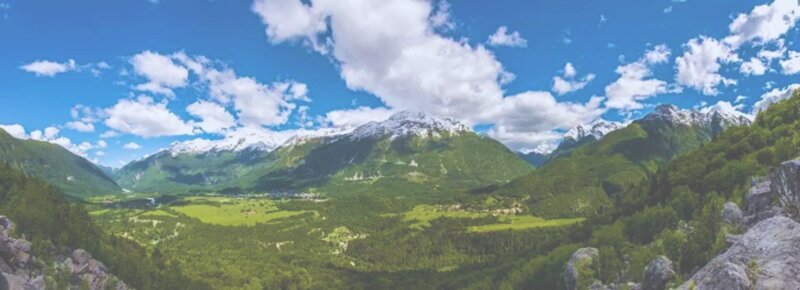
(20, 270)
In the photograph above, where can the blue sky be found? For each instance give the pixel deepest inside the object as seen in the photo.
(151, 73)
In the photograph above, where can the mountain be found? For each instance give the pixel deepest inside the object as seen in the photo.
(73, 174)
(592, 174)
(197, 165)
(408, 149)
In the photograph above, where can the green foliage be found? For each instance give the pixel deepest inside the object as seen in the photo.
(72, 174)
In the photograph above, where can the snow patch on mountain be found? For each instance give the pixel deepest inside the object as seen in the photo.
(234, 142)
(406, 123)
(596, 129)
(726, 114)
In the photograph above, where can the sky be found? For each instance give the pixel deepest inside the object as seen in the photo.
(114, 81)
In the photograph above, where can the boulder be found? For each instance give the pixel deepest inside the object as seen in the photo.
(657, 274)
(81, 257)
(581, 263)
(6, 223)
(764, 258)
(758, 198)
(731, 214)
(22, 245)
(22, 258)
(786, 184)
(13, 282)
(5, 268)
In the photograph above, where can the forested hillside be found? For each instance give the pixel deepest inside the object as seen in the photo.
(72, 174)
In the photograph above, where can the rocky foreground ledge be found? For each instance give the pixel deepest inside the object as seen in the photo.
(766, 256)
(19, 270)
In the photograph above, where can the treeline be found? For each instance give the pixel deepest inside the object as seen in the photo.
(45, 216)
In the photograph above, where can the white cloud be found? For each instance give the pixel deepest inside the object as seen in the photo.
(162, 73)
(765, 23)
(143, 117)
(255, 103)
(49, 68)
(537, 112)
(415, 68)
(109, 134)
(80, 126)
(501, 37)
(15, 130)
(441, 17)
(634, 84)
(352, 118)
(791, 65)
(699, 66)
(774, 96)
(726, 107)
(408, 69)
(99, 153)
(753, 67)
(568, 84)
(215, 119)
(525, 141)
(739, 99)
(132, 146)
(102, 144)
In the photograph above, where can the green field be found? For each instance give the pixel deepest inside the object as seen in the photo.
(233, 212)
(523, 223)
(422, 215)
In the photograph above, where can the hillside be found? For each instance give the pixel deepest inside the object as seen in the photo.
(590, 177)
(73, 174)
(409, 151)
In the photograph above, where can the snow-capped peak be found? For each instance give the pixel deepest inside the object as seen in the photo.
(235, 142)
(672, 114)
(596, 129)
(409, 123)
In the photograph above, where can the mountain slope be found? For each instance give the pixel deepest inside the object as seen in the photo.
(73, 174)
(408, 151)
(592, 175)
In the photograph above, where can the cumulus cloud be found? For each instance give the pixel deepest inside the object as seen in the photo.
(753, 67)
(568, 83)
(215, 119)
(161, 72)
(15, 130)
(80, 126)
(255, 103)
(765, 23)
(352, 118)
(132, 146)
(412, 68)
(699, 66)
(774, 96)
(791, 65)
(49, 68)
(501, 37)
(634, 84)
(146, 118)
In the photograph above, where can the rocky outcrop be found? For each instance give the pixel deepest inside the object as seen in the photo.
(731, 214)
(786, 185)
(658, 273)
(580, 269)
(22, 271)
(764, 258)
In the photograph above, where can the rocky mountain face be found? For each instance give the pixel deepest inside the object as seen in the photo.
(19, 270)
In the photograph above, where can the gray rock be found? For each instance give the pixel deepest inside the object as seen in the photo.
(765, 258)
(6, 223)
(657, 274)
(731, 214)
(5, 268)
(81, 257)
(22, 245)
(22, 258)
(786, 184)
(582, 259)
(14, 282)
(758, 198)
(732, 239)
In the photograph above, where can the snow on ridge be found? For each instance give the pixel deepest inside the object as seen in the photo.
(407, 123)
(597, 129)
(705, 116)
